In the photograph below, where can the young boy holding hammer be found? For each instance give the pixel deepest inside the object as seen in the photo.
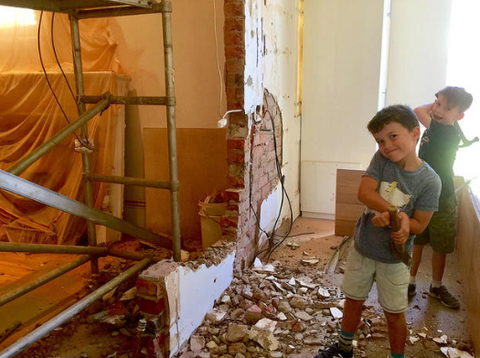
(395, 176)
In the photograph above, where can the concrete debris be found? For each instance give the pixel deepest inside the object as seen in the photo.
(310, 261)
(441, 340)
(286, 312)
(293, 245)
(129, 295)
(335, 312)
(454, 353)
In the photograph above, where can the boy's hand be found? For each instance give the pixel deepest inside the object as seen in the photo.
(400, 236)
(381, 220)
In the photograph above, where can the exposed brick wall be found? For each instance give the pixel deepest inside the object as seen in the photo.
(252, 175)
(152, 302)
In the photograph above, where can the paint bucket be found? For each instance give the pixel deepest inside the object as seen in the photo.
(211, 230)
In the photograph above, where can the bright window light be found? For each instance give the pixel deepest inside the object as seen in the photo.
(12, 16)
(464, 70)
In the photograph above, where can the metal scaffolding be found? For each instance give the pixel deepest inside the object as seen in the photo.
(9, 180)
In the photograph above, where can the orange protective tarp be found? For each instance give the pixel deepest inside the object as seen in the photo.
(29, 116)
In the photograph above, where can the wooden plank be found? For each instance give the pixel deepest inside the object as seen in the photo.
(202, 169)
(347, 206)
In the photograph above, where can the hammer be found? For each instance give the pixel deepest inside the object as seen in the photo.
(398, 249)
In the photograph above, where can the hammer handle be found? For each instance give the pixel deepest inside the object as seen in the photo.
(394, 220)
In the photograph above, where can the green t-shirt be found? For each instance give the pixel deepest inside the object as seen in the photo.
(438, 148)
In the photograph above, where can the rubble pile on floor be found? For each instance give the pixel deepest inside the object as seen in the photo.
(270, 311)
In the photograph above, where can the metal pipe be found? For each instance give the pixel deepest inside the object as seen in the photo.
(19, 291)
(31, 158)
(129, 181)
(77, 61)
(71, 249)
(61, 318)
(48, 197)
(124, 11)
(155, 101)
(52, 249)
(171, 128)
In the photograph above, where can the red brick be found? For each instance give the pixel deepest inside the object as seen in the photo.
(149, 288)
(234, 38)
(228, 221)
(150, 306)
(237, 52)
(235, 156)
(234, 9)
(236, 24)
(235, 65)
(236, 143)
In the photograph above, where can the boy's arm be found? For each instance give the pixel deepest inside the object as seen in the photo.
(419, 221)
(423, 114)
(416, 224)
(367, 194)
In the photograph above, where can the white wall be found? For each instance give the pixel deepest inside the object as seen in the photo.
(341, 76)
(417, 66)
(280, 76)
(342, 84)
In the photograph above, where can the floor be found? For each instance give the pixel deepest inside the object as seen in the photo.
(316, 238)
(312, 237)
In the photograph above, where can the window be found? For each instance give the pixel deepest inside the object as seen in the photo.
(464, 70)
(12, 16)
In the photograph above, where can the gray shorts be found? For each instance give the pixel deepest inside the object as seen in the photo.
(442, 228)
(392, 281)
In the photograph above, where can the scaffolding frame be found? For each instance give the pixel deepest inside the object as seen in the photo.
(9, 180)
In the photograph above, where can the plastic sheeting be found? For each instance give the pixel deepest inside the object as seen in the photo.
(29, 116)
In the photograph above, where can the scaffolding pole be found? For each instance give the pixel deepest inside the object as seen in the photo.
(61, 318)
(77, 66)
(171, 128)
(59, 271)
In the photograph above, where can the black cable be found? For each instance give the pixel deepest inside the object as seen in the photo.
(45, 72)
(273, 247)
(284, 191)
(58, 62)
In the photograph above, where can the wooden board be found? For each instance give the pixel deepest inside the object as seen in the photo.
(202, 168)
(347, 207)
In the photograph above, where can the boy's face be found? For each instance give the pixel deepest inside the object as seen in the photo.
(396, 143)
(444, 112)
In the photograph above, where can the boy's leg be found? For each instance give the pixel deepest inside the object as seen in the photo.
(438, 265)
(416, 258)
(356, 285)
(392, 286)
(352, 313)
(442, 229)
(397, 332)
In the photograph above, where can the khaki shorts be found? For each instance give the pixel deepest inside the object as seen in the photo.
(392, 281)
(442, 228)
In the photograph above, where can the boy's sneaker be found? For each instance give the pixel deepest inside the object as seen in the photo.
(412, 289)
(334, 352)
(441, 293)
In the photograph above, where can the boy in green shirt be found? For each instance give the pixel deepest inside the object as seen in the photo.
(438, 148)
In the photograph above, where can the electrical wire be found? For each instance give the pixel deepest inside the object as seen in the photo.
(273, 247)
(45, 72)
(58, 62)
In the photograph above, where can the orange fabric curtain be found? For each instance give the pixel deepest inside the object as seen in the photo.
(29, 116)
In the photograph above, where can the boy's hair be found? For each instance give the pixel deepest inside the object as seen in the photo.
(456, 96)
(397, 113)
